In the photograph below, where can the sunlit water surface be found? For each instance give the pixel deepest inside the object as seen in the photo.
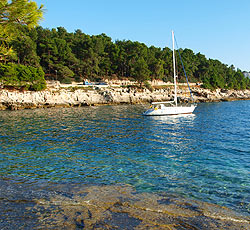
(204, 156)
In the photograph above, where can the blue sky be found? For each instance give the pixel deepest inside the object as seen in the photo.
(219, 29)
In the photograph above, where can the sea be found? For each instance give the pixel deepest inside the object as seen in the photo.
(109, 167)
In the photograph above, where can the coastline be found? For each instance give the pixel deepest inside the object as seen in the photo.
(57, 96)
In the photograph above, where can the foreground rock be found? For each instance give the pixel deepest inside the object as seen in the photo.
(15, 100)
(120, 207)
(79, 206)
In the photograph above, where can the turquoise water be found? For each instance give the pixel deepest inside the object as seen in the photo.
(205, 156)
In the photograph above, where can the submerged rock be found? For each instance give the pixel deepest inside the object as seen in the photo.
(120, 207)
(78, 206)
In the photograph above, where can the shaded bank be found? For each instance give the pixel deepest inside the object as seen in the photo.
(95, 95)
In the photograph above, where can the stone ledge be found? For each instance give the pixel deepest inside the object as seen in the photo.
(15, 100)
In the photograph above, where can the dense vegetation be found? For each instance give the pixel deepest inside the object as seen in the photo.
(76, 56)
(13, 16)
(22, 77)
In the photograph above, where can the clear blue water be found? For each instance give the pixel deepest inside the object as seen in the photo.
(205, 156)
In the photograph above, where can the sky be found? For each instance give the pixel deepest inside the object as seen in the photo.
(219, 29)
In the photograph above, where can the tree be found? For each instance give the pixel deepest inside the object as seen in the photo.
(140, 70)
(158, 70)
(167, 57)
(63, 72)
(25, 47)
(78, 55)
(12, 14)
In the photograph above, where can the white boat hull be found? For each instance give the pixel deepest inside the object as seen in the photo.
(174, 110)
(160, 108)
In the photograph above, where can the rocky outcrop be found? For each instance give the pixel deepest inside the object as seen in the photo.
(206, 95)
(14, 100)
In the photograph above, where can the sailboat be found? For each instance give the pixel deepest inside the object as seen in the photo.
(170, 107)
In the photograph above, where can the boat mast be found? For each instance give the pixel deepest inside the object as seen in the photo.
(175, 86)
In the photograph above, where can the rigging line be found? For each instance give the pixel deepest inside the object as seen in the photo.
(184, 69)
(176, 68)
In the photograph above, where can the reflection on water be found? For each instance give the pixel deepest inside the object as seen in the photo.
(204, 156)
(174, 119)
(173, 128)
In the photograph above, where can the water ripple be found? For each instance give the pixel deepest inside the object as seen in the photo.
(203, 156)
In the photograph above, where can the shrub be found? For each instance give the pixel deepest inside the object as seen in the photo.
(148, 86)
(66, 80)
(22, 77)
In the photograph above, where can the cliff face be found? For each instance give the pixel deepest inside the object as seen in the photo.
(14, 100)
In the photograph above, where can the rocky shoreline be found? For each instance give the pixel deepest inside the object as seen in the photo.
(97, 95)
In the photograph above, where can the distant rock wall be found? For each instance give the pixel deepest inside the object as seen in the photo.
(15, 100)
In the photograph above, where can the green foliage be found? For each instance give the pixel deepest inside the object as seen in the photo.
(21, 76)
(25, 47)
(140, 70)
(8, 74)
(148, 86)
(76, 56)
(23, 12)
(63, 72)
(206, 84)
(66, 80)
(12, 14)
